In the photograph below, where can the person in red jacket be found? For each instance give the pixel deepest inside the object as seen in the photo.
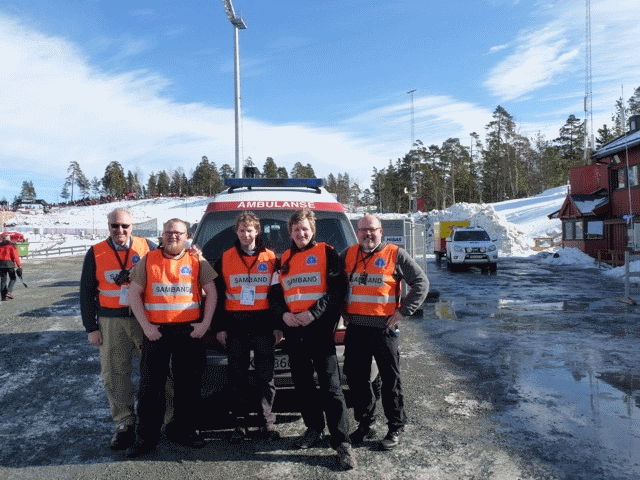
(9, 265)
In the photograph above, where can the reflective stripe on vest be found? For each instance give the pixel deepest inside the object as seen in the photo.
(373, 291)
(305, 282)
(247, 271)
(172, 292)
(108, 267)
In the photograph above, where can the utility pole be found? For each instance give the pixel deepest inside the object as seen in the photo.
(238, 24)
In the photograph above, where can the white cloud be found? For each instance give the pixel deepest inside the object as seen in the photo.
(538, 59)
(57, 108)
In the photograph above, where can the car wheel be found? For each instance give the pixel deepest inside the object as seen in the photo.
(493, 267)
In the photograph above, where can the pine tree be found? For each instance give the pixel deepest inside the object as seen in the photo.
(270, 169)
(634, 103)
(152, 185)
(114, 181)
(570, 144)
(96, 186)
(77, 178)
(65, 192)
(163, 183)
(227, 172)
(604, 136)
(28, 191)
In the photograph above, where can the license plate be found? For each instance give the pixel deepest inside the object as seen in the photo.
(475, 256)
(281, 363)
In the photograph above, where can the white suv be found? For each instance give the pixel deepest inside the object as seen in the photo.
(471, 246)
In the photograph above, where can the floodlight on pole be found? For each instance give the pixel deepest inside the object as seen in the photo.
(238, 24)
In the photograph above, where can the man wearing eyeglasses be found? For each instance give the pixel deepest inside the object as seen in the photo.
(107, 318)
(166, 298)
(373, 310)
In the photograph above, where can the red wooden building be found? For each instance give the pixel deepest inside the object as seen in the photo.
(602, 210)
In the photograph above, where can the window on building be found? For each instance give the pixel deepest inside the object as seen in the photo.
(568, 228)
(622, 178)
(633, 176)
(595, 230)
(579, 230)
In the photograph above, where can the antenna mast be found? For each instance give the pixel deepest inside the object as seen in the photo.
(588, 94)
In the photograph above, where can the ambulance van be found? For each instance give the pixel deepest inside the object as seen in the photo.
(273, 201)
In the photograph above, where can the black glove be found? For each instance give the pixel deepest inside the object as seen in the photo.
(19, 271)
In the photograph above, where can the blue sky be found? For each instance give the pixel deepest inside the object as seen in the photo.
(150, 84)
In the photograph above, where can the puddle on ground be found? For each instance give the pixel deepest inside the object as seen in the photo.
(600, 409)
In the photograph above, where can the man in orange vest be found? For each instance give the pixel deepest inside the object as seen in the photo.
(313, 286)
(166, 298)
(375, 270)
(107, 318)
(245, 274)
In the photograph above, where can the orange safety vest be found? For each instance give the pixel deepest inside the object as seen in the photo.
(108, 267)
(373, 291)
(242, 271)
(305, 281)
(172, 292)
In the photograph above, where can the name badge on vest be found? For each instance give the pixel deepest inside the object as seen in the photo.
(248, 295)
(124, 295)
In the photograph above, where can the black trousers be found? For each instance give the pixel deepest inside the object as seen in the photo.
(7, 287)
(305, 358)
(361, 345)
(238, 351)
(185, 355)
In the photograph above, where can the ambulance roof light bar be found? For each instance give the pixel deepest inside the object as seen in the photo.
(313, 183)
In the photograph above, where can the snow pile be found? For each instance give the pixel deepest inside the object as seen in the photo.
(618, 273)
(510, 240)
(568, 256)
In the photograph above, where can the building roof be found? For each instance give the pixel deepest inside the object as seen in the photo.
(588, 204)
(626, 141)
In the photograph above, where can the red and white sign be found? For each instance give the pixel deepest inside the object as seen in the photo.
(274, 205)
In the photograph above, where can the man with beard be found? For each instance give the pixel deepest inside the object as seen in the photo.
(374, 307)
(166, 297)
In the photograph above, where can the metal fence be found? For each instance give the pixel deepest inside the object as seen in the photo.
(58, 251)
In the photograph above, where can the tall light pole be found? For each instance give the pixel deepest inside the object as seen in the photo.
(413, 190)
(238, 23)
(410, 92)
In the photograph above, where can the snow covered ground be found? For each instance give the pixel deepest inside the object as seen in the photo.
(512, 223)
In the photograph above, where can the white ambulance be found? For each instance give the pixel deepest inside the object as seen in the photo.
(273, 201)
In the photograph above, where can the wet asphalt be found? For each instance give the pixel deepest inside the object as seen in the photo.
(528, 373)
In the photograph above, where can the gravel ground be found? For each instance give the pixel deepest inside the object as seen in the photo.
(55, 419)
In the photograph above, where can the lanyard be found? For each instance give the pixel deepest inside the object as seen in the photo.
(249, 268)
(366, 258)
(123, 265)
